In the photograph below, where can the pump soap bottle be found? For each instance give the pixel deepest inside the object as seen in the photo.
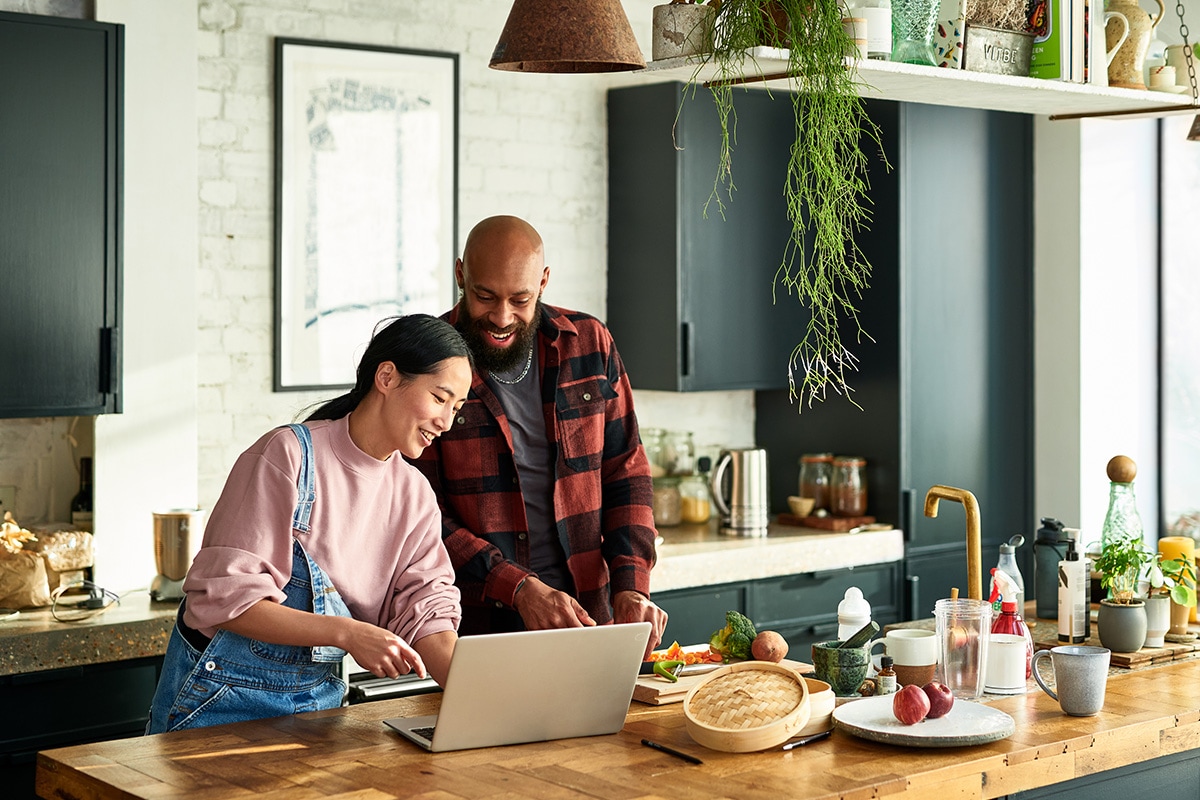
(1072, 595)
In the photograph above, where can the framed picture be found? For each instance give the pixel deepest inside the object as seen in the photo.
(366, 140)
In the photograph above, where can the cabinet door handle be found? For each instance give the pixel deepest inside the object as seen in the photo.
(914, 586)
(110, 359)
(685, 348)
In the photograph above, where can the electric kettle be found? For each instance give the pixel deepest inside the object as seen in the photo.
(739, 490)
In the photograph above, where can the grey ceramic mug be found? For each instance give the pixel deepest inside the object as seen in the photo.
(1080, 675)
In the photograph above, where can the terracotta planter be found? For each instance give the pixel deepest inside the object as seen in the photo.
(1158, 619)
(1122, 627)
(1179, 618)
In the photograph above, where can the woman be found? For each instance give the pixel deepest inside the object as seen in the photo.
(325, 541)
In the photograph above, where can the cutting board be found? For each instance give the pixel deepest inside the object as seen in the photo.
(824, 523)
(655, 691)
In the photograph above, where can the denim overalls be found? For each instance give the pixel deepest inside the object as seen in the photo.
(233, 678)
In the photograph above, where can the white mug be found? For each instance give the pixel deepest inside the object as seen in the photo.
(1178, 59)
(914, 654)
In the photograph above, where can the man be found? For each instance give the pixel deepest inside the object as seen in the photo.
(544, 487)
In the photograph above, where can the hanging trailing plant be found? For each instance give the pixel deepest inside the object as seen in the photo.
(825, 185)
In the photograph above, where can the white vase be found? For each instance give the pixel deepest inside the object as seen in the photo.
(1158, 619)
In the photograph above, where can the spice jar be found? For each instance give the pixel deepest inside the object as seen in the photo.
(816, 475)
(849, 492)
(667, 502)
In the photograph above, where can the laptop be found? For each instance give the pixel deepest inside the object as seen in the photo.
(533, 686)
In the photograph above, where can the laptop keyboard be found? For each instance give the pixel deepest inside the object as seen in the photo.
(426, 733)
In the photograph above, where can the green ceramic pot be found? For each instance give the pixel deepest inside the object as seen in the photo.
(844, 669)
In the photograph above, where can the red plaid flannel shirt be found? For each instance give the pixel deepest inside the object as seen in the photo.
(602, 487)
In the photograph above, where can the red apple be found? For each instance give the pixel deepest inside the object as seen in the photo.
(910, 704)
(940, 698)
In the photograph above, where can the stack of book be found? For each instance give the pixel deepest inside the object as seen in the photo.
(1063, 40)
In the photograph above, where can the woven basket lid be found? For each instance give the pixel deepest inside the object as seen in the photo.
(740, 708)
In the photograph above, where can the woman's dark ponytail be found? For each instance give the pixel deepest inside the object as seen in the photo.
(416, 344)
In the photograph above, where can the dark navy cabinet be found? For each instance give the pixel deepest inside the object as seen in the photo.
(60, 216)
(946, 387)
(690, 297)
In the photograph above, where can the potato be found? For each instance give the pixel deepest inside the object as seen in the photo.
(769, 646)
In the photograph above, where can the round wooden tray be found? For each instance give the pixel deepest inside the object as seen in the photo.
(745, 707)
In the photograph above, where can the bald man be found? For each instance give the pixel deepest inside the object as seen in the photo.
(544, 487)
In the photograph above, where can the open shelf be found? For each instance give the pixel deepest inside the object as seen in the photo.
(766, 67)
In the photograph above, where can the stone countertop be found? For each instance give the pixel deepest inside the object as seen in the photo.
(35, 641)
(689, 556)
(700, 555)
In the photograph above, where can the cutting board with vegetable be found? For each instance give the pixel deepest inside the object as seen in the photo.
(655, 691)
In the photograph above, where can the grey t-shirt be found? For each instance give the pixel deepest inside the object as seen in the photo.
(522, 402)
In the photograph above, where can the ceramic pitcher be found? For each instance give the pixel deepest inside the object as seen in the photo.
(1125, 68)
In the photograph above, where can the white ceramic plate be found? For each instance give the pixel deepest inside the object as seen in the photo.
(967, 723)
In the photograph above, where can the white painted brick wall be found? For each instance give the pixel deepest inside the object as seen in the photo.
(531, 145)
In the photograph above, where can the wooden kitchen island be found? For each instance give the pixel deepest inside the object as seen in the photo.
(1146, 742)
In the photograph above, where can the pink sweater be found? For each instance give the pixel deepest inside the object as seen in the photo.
(376, 531)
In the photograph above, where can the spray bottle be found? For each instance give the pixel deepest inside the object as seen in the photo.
(1010, 620)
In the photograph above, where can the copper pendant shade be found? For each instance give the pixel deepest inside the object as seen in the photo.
(567, 36)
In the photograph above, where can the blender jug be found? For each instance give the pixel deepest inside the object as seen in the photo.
(963, 626)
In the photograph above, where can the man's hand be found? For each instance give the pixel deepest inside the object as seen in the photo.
(630, 606)
(542, 607)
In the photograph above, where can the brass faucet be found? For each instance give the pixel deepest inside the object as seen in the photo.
(974, 549)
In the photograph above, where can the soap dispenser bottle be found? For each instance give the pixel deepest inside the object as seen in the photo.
(1072, 597)
(854, 612)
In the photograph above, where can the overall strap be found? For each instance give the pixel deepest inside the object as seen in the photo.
(305, 485)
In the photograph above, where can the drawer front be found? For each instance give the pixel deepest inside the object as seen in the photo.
(693, 614)
(814, 596)
(73, 705)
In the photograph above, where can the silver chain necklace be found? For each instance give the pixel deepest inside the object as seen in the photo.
(524, 372)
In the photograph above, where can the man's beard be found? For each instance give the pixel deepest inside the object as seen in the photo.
(494, 359)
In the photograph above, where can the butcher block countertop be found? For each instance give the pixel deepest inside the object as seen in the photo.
(350, 753)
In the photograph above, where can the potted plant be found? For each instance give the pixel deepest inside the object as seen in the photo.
(683, 28)
(825, 186)
(1173, 583)
(1121, 622)
(997, 37)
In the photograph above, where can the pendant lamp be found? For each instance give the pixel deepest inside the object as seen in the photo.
(567, 36)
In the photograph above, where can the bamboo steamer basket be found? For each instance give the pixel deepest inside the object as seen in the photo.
(749, 706)
(821, 702)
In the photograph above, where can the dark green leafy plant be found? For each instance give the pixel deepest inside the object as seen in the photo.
(825, 186)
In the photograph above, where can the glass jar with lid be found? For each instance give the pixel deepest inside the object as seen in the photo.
(667, 502)
(652, 440)
(679, 453)
(816, 477)
(693, 492)
(849, 492)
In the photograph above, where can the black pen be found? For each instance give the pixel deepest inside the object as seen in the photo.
(670, 752)
(807, 739)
